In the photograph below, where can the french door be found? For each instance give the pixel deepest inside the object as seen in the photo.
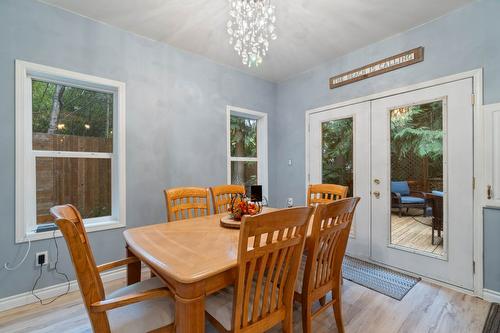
(339, 149)
(411, 162)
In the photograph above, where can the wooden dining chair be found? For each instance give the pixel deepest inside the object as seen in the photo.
(222, 195)
(269, 253)
(320, 270)
(187, 202)
(140, 307)
(324, 193)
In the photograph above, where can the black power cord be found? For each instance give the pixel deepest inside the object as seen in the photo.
(41, 301)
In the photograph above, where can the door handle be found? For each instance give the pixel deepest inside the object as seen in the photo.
(488, 192)
(376, 181)
(376, 194)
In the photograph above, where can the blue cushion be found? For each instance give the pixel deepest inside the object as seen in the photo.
(400, 187)
(412, 200)
(438, 193)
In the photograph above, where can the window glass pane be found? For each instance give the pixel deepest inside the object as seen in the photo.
(417, 177)
(244, 172)
(337, 149)
(83, 182)
(66, 118)
(243, 137)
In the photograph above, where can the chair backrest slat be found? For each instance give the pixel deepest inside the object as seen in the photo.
(325, 193)
(327, 244)
(187, 202)
(269, 253)
(222, 196)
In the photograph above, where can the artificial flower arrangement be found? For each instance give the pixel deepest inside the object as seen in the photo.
(241, 205)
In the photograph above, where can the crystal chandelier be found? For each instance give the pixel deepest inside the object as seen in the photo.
(250, 27)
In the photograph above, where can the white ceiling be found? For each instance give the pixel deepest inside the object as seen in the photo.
(310, 32)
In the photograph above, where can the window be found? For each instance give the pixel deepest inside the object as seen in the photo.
(247, 147)
(70, 148)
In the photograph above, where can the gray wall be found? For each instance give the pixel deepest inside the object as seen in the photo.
(176, 125)
(491, 243)
(466, 39)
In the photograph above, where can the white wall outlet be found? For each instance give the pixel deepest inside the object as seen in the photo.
(290, 162)
(289, 202)
(41, 258)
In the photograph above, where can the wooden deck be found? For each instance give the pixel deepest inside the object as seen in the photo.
(414, 232)
(426, 308)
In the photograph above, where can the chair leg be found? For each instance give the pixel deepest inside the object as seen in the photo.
(337, 307)
(322, 301)
(288, 321)
(400, 212)
(306, 316)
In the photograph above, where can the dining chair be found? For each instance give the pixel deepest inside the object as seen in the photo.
(140, 307)
(321, 266)
(222, 196)
(269, 252)
(324, 193)
(187, 202)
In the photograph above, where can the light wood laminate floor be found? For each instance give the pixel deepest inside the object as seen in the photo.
(426, 308)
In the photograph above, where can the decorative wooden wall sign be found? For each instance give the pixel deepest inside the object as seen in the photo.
(379, 67)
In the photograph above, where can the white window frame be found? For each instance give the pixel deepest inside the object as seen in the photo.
(25, 156)
(261, 159)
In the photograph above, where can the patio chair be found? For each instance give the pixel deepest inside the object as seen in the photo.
(403, 197)
(435, 200)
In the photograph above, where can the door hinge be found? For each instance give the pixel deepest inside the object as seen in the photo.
(309, 178)
(473, 183)
(473, 99)
(473, 267)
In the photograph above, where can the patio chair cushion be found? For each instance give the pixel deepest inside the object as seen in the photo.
(412, 200)
(438, 193)
(400, 187)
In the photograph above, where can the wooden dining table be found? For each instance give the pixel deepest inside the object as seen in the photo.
(194, 258)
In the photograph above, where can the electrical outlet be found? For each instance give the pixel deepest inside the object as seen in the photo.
(289, 202)
(41, 258)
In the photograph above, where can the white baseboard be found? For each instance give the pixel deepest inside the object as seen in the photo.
(491, 295)
(15, 301)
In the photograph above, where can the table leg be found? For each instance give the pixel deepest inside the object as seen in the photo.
(190, 315)
(133, 270)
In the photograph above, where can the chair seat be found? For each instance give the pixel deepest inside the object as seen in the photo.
(412, 200)
(143, 316)
(220, 305)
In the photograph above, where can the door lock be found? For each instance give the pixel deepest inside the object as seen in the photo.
(376, 194)
(376, 181)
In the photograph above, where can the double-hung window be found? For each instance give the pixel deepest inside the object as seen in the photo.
(247, 147)
(70, 148)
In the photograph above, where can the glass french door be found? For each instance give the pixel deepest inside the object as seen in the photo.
(422, 182)
(339, 150)
(410, 159)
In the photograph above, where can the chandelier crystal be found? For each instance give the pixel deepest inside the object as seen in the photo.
(250, 27)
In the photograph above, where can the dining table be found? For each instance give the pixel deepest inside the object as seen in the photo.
(194, 258)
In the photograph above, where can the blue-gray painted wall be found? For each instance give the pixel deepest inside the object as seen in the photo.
(463, 40)
(176, 109)
(175, 120)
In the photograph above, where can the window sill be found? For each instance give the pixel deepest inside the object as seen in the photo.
(89, 227)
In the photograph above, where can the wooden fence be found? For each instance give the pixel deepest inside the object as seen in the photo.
(83, 182)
